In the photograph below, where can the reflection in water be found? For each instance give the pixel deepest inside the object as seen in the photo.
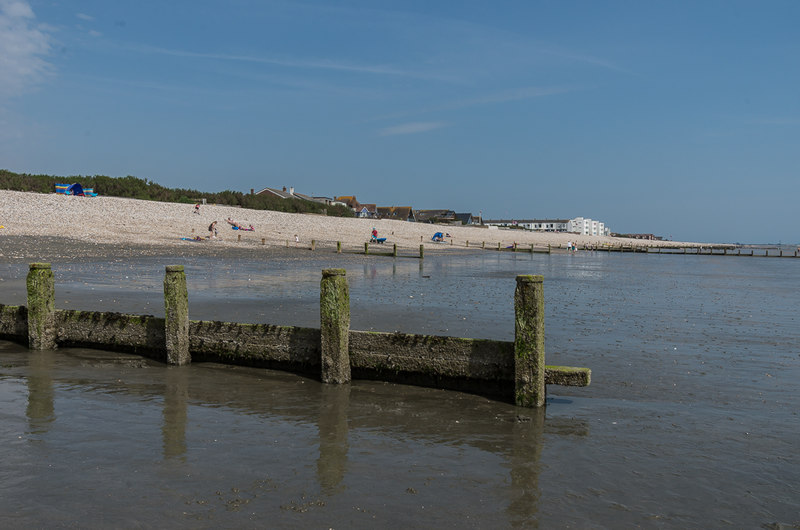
(526, 452)
(351, 421)
(333, 446)
(176, 395)
(41, 408)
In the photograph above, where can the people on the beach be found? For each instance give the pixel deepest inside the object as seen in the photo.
(296, 240)
(238, 226)
(212, 230)
(197, 208)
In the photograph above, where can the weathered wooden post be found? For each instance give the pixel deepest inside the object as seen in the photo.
(313, 244)
(263, 241)
(394, 250)
(366, 247)
(498, 245)
(334, 311)
(41, 307)
(338, 247)
(531, 248)
(483, 245)
(176, 315)
(238, 237)
(549, 249)
(422, 252)
(529, 368)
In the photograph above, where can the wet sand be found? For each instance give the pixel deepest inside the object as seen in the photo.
(690, 420)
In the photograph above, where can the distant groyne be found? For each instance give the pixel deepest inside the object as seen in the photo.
(512, 371)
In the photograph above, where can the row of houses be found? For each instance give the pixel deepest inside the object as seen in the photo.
(373, 211)
(578, 225)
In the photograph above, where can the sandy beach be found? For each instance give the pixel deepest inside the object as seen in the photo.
(112, 220)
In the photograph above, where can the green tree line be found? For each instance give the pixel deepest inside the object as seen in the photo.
(136, 188)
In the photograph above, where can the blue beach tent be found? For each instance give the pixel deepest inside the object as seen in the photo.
(75, 189)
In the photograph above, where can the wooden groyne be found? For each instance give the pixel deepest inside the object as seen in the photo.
(514, 371)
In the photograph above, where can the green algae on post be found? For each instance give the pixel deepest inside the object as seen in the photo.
(41, 307)
(529, 368)
(334, 309)
(176, 316)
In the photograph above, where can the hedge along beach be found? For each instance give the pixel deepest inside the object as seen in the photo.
(116, 220)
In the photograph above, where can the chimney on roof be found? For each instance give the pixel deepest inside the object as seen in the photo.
(252, 191)
(291, 190)
(284, 188)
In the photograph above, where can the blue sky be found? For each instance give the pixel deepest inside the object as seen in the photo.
(676, 118)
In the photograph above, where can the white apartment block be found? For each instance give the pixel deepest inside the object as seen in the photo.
(588, 227)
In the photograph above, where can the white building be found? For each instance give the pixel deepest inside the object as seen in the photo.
(588, 227)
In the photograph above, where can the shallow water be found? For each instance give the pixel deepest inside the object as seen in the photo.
(691, 418)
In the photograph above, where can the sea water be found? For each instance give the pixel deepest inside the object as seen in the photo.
(691, 418)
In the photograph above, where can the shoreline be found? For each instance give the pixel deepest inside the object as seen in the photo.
(134, 222)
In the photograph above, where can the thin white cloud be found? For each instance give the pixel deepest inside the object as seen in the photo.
(84, 16)
(23, 47)
(516, 94)
(412, 128)
(94, 33)
(505, 96)
(291, 62)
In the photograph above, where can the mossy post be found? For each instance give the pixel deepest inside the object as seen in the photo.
(338, 247)
(334, 312)
(366, 247)
(41, 307)
(422, 252)
(529, 368)
(176, 316)
(394, 250)
(313, 244)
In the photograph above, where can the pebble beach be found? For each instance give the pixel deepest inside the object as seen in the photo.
(119, 221)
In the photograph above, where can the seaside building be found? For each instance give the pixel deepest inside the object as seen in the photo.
(291, 194)
(578, 225)
(368, 211)
(400, 213)
(465, 218)
(540, 225)
(435, 216)
(588, 227)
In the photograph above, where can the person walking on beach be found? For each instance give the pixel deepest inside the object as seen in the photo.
(197, 208)
(296, 240)
(212, 230)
